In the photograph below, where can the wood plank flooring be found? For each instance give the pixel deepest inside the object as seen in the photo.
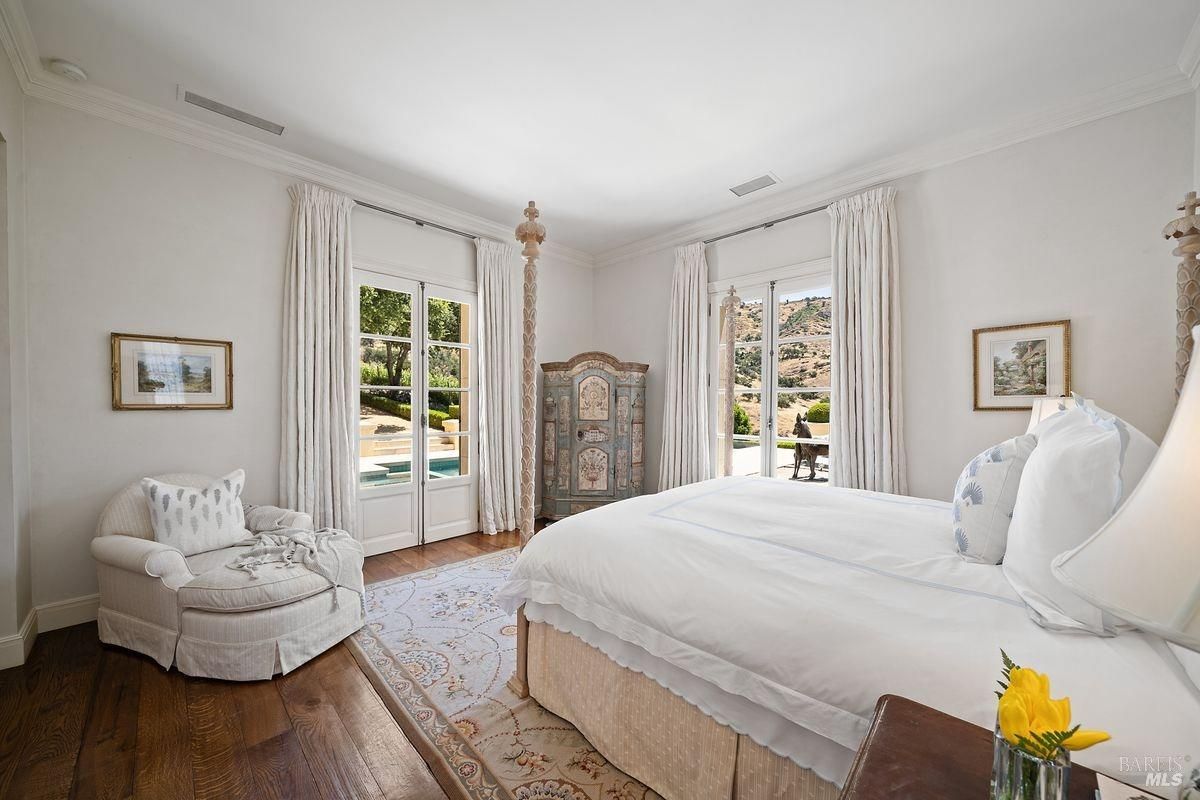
(83, 720)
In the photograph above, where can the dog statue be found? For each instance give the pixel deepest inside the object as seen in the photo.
(806, 451)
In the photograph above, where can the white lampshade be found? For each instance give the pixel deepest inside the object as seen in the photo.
(1144, 565)
(1043, 408)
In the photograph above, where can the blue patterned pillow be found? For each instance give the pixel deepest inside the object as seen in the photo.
(984, 498)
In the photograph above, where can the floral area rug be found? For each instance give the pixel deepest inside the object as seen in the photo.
(440, 653)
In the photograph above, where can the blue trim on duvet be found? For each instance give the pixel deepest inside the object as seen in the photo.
(661, 514)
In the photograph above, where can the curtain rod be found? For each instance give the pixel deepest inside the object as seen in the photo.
(765, 225)
(423, 223)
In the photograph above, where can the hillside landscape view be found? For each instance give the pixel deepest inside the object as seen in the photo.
(801, 365)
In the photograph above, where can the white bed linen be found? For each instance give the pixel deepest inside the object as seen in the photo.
(810, 603)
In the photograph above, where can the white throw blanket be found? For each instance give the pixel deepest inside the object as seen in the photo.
(330, 553)
(274, 519)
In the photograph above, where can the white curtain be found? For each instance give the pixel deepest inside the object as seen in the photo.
(499, 386)
(686, 430)
(318, 468)
(866, 432)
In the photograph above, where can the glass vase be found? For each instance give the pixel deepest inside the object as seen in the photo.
(1016, 775)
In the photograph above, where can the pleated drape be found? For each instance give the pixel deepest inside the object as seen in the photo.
(866, 428)
(498, 272)
(318, 468)
(686, 430)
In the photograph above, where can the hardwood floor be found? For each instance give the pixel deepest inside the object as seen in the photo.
(84, 720)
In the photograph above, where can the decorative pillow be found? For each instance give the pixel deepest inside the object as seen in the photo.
(197, 520)
(984, 498)
(1070, 487)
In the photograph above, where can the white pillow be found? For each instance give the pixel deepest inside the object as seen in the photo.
(1140, 449)
(197, 520)
(1070, 487)
(984, 498)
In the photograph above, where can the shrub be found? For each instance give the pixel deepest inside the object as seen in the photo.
(454, 411)
(741, 420)
(401, 410)
(819, 412)
(386, 405)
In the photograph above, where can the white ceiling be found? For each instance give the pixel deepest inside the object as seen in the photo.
(624, 118)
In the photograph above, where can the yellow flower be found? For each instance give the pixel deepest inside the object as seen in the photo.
(1026, 711)
(1081, 739)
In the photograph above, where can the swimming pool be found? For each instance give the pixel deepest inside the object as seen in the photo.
(398, 471)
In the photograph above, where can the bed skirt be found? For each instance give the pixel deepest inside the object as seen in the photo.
(654, 735)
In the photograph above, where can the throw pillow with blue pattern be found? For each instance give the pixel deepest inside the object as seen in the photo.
(984, 498)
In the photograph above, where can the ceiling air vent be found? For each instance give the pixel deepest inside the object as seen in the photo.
(753, 185)
(233, 113)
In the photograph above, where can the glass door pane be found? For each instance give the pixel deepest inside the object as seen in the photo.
(449, 377)
(749, 422)
(801, 383)
(450, 487)
(385, 413)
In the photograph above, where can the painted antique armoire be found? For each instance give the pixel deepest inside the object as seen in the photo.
(594, 432)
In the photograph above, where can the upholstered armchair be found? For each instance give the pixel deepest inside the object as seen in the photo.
(207, 619)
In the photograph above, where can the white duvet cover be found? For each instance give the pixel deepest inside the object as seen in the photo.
(785, 611)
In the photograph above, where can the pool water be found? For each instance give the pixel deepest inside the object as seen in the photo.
(398, 472)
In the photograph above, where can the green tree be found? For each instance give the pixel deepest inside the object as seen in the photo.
(386, 313)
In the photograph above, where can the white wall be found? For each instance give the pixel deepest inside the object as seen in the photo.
(15, 591)
(1196, 139)
(1065, 226)
(135, 233)
(632, 299)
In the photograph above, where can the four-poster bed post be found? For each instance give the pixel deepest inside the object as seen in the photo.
(530, 233)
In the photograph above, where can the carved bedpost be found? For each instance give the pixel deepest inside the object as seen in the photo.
(530, 233)
(1186, 229)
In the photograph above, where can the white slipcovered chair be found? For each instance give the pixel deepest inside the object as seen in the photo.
(209, 620)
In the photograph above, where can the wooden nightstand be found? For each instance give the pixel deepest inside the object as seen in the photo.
(913, 751)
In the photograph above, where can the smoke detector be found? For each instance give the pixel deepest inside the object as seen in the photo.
(754, 184)
(244, 117)
(67, 69)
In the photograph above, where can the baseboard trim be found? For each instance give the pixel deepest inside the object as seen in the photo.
(15, 649)
(65, 613)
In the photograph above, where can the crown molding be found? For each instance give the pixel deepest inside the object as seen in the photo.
(21, 48)
(1189, 57)
(19, 45)
(97, 101)
(1152, 88)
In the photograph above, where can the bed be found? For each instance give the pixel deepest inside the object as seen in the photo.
(755, 622)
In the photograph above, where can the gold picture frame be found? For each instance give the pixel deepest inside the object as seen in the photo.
(1022, 363)
(160, 373)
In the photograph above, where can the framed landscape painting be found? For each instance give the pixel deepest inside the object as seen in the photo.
(1018, 364)
(165, 372)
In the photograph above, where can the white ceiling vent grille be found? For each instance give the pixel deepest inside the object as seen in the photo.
(233, 113)
(753, 185)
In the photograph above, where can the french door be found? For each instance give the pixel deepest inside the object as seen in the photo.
(416, 414)
(782, 355)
